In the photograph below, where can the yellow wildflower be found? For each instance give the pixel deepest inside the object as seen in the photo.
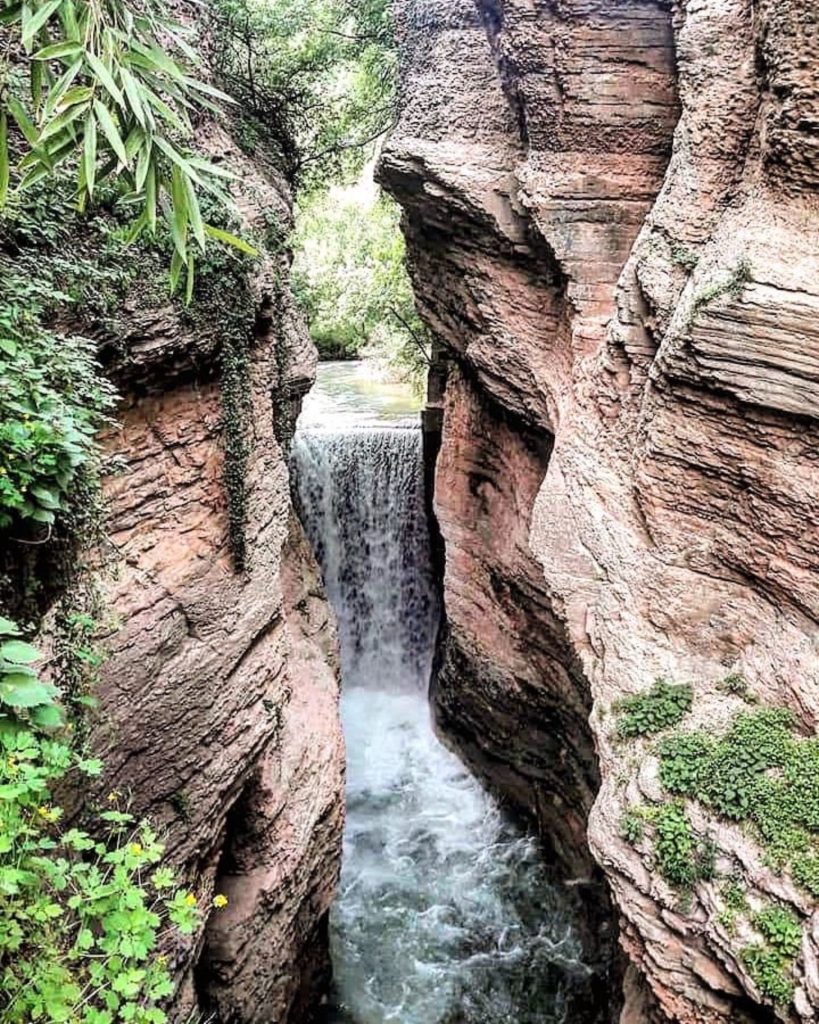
(135, 849)
(190, 899)
(220, 901)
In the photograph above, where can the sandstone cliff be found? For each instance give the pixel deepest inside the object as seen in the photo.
(613, 220)
(219, 694)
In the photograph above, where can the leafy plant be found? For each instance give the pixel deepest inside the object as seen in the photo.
(736, 685)
(781, 929)
(22, 694)
(683, 762)
(733, 896)
(632, 825)
(83, 913)
(109, 87)
(52, 403)
(769, 973)
(658, 708)
(732, 285)
(759, 771)
(675, 846)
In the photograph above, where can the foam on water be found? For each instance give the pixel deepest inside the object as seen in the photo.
(445, 914)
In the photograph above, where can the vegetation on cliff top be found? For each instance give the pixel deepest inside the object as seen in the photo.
(315, 80)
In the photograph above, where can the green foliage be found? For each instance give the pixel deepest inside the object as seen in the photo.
(731, 285)
(632, 825)
(781, 929)
(769, 973)
(350, 278)
(107, 89)
(805, 870)
(732, 892)
(235, 418)
(683, 762)
(683, 256)
(52, 402)
(736, 685)
(82, 912)
(23, 696)
(53, 396)
(761, 772)
(682, 858)
(314, 79)
(649, 712)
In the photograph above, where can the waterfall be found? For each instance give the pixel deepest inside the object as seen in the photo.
(446, 914)
(362, 503)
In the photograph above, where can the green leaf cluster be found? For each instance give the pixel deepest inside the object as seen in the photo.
(760, 771)
(769, 972)
(83, 912)
(53, 401)
(682, 857)
(660, 707)
(22, 693)
(107, 89)
(314, 80)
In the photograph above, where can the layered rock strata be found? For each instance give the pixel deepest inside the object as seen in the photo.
(219, 698)
(613, 222)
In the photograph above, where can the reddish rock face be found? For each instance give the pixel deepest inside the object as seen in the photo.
(613, 220)
(219, 702)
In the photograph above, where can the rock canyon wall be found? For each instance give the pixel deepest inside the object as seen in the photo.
(613, 221)
(219, 701)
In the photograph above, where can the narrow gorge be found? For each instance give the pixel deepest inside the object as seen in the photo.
(469, 675)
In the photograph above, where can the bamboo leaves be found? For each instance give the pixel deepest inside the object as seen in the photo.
(105, 91)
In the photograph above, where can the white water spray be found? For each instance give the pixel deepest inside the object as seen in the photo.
(445, 914)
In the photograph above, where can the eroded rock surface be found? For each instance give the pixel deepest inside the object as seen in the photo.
(613, 219)
(219, 700)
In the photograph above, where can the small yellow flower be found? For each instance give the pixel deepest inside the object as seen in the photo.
(113, 796)
(135, 849)
(161, 959)
(45, 812)
(220, 901)
(190, 899)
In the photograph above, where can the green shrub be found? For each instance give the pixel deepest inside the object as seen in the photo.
(684, 759)
(805, 869)
(675, 847)
(632, 825)
(736, 685)
(759, 771)
(769, 973)
(649, 712)
(781, 929)
(733, 896)
(732, 285)
(82, 912)
(23, 696)
(52, 403)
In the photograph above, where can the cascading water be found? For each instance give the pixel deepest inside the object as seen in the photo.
(445, 913)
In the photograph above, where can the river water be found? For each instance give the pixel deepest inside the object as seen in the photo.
(445, 914)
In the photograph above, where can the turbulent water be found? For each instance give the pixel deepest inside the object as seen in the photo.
(445, 915)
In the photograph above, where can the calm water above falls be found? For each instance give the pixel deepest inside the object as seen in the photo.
(445, 915)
